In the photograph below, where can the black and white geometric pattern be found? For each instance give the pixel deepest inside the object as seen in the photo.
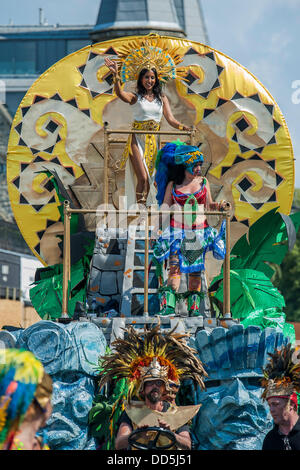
(267, 125)
(80, 126)
(266, 132)
(47, 195)
(207, 63)
(89, 71)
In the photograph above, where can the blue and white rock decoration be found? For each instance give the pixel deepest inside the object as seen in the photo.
(70, 355)
(7, 340)
(232, 415)
(67, 428)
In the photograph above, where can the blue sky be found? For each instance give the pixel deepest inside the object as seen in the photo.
(262, 35)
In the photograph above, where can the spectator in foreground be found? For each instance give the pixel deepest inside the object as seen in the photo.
(25, 399)
(282, 381)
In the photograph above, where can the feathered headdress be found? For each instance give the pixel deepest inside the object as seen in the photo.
(151, 355)
(281, 375)
(147, 53)
(20, 373)
(173, 153)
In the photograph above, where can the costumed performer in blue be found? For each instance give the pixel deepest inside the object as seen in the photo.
(188, 237)
(149, 64)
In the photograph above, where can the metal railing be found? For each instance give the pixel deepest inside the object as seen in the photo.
(10, 293)
(147, 213)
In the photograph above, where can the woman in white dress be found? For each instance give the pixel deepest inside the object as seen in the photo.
(149, 105)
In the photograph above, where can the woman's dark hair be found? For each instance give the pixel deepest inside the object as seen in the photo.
(157, 87)
(176, 173)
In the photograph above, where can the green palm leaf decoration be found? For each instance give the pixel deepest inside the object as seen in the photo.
(253, 300)
(47, 291)
(266, 243)
(105, 414)
(254, 260)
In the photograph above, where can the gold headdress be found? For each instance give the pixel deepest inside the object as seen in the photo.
(281, 375)
(147, 53)
(151, 355)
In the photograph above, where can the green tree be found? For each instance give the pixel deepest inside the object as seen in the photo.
(296, 200)
(289, 282)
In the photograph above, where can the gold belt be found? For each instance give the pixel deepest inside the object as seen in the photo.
(145, 125)
(150, 143)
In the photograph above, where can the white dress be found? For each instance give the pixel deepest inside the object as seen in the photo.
(143, 110)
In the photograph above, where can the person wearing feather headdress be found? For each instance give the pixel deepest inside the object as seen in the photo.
(25, 399)
(148, 63)
(281, 384)
(152, 362)
(181, 187)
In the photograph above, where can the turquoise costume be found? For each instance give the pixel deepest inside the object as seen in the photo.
(190, 243)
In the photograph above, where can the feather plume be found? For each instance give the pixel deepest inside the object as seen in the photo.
(281, 374)
(19, 376)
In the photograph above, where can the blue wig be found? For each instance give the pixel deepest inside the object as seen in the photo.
(171, 154)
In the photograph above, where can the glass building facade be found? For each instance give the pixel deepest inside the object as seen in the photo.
(27, 52)
(33, 56)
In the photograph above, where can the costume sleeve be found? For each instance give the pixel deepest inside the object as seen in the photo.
(183, 428)
(270, 442)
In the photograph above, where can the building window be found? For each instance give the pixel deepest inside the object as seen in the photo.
(25, 56)
(180, 12)
(32, 57)
(49, 51)
(4, 272)
(74, 45)
(17, 57)
(2, 169)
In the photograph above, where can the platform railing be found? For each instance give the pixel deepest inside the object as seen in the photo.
(147, 213)
(10, 293)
